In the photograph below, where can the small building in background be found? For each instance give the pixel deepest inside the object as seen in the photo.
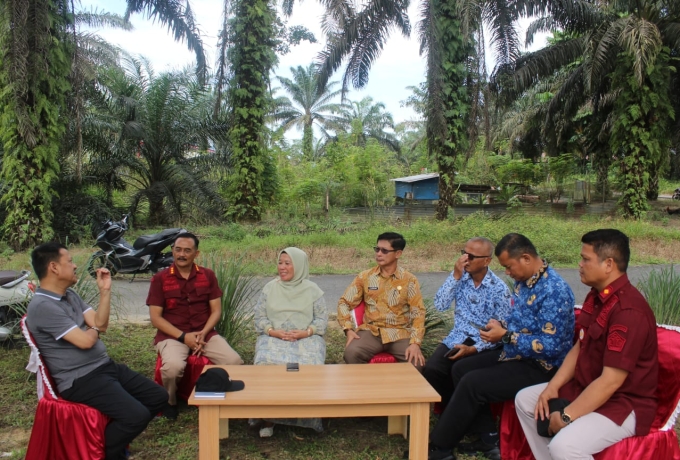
(421, 187)
(424, 188)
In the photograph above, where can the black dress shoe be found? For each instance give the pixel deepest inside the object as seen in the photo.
(170, 412)
(490, 451)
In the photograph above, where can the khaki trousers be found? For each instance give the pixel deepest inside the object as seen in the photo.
(361, 351)
(174, 356)
(579, 440)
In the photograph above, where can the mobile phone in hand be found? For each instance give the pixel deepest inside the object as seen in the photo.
(292, 367)
(479, 326)
(452, 352)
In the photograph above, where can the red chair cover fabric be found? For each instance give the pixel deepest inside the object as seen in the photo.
(193, 370)
(357, 314)
(62, 430)
(660, 444)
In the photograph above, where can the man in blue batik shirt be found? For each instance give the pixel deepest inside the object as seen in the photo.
(479, 295)
(536, 337)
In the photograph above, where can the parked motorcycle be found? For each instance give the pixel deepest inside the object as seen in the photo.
(676, 194)
(15, 292)
(143, 256)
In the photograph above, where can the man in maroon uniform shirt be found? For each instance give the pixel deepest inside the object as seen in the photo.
(607, 382)
(185, 304)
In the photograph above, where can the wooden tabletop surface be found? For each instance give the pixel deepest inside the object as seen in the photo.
(325, 384)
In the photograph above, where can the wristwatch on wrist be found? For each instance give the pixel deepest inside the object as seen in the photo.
(506, 337)
(96, 329)
(566, 419)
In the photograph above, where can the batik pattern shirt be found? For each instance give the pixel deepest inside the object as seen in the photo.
(542, 320)
(394, 305)
(491, 299)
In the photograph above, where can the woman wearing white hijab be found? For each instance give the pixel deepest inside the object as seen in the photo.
(291, 318)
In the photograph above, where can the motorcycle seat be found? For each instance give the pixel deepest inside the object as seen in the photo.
(7, 276)
(145, 240)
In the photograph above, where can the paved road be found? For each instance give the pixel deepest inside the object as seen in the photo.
(129, 298)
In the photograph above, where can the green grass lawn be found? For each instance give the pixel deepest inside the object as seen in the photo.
(340, 245)
(342, 438)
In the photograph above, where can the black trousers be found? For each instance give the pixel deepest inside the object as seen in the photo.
(128, 398)
(439, 370)
(480, 380)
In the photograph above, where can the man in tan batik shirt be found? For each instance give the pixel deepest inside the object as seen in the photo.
(394, 317)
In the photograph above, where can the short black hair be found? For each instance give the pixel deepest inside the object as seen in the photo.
(187, 235)
(396, 240)
(44, 254)
(609, 242)
(516, 245)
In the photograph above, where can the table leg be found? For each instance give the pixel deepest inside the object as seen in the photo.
(398, 424)
(208, 432)
(420, 430)
(224, 428)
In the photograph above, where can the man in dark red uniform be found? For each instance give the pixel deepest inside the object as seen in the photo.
(608, 379)
(185, 304)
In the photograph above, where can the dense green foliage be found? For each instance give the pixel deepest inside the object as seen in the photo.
(251, 56)
(34, 63)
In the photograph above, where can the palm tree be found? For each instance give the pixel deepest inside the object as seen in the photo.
(36, 61)
(618, 58)
(364, 120)
(163, 122)
(308, 107)
(451, 36)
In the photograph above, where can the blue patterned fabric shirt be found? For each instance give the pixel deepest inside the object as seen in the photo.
(542, 320)
(491, 299)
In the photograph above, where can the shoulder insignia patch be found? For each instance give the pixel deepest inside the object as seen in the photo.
(615, 342)
(618, 327)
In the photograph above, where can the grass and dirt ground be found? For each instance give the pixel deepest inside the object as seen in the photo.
(335, 246)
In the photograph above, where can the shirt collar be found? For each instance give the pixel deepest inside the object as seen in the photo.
(175, 271)
(50, 294)
(398, 273)
(616, 285)
(541, 273)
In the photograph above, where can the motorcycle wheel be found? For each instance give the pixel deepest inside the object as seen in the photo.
(99, 260)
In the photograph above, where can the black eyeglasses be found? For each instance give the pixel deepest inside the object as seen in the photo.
(472, 257)
(383, 250)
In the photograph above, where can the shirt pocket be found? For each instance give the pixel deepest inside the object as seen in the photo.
(172, 298)
(202, 294)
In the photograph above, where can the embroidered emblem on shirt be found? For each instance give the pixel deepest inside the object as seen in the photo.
(581, 334)
(604, 314)
(615, 342)
(537, 346)
(549, 328)
(606, 292)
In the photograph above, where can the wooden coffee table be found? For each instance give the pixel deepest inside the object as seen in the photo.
(334, 390)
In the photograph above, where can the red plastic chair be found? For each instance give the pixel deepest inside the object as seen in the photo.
(357, 314)
(192, 371)
(660, 444)
(62, 430)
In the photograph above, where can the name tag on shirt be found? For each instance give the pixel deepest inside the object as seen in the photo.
(373, 288)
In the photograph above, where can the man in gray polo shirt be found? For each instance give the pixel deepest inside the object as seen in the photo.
(67, 330)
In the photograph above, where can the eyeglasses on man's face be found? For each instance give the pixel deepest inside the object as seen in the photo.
(472, 257)
(383, 250)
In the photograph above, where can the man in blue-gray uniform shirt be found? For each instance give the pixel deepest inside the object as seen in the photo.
(479, 295)
(536, 337)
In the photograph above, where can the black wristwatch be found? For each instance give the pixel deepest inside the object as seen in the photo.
(566, 419)
(506, 337)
